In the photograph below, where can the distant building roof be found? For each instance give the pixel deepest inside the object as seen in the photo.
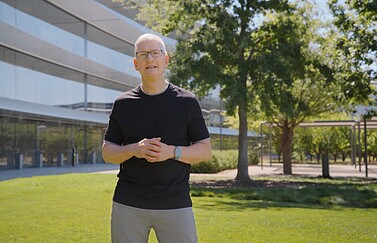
(229, 132)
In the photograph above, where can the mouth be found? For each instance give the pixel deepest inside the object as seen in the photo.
(151, 67)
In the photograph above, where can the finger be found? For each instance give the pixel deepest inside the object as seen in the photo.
(152, 153)
(156, 142)
(152, 159)
(155, 148)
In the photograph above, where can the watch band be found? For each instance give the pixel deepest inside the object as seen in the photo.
(177, 152)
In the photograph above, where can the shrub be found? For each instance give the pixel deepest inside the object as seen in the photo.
(221, 160)
(253, 159)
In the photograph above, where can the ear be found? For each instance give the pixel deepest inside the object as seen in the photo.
(135, 64)
(166, 60)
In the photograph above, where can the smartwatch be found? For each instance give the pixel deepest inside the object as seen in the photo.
(177, 153)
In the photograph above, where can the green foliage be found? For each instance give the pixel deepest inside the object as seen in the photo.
(254, 159)
(268, 57)
(215, 50)
(292, 79)
(357, 46)
(303, 142)
(328, 140)
(220, 161)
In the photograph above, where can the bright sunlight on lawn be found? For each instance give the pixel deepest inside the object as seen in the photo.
(76, 208)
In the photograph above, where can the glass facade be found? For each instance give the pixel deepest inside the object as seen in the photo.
(47, 143)
(60, 71)
(20, 83)
(33, 140)
(24, 84)
(65, 31)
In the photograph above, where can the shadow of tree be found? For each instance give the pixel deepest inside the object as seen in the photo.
(291, 193)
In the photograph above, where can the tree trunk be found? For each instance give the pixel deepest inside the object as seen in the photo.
(335, 156)
(243, 166)
(286, 142)
(318, 157)
(344, 156)
(325, 166)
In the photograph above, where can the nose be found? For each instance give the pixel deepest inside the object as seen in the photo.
(149, 55)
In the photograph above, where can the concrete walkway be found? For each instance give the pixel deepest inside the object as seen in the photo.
(83, 168)
(312, 170)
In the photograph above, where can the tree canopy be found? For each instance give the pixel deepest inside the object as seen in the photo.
(269, 58)
(356, 22)
(294, 76)
(215, 49)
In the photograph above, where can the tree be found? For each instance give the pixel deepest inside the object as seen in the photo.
(372, 145)
(339, 141)
(294, 77)
(276, 134)
(215, 48)
(303, 143)
(318, 145)
(356, 22)
(266, 56)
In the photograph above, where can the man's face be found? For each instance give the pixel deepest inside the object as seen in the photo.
(150, 67)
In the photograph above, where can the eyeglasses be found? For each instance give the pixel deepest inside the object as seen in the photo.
(144, 54)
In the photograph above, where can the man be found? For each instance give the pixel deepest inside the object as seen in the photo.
(155, 132)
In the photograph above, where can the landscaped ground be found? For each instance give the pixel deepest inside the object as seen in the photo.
(76, 208)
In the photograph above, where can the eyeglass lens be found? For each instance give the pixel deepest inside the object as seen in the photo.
(144, 54)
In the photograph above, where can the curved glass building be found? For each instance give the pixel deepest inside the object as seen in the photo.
(62, 64)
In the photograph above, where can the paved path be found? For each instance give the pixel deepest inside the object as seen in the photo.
(275, 169)
(83, 168)
(313, 170)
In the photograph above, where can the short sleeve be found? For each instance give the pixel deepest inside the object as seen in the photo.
(113, 132)
(197, 129)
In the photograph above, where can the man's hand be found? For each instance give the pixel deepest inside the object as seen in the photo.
(153, 150)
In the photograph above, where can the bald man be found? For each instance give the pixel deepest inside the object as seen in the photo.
(155, 132)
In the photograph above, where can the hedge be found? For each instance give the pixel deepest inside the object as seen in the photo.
(220, 161)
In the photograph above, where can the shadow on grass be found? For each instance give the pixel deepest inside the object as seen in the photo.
(296, 192)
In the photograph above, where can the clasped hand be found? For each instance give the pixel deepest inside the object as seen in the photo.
(153, 150)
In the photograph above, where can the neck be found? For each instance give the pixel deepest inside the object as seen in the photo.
(154, 88)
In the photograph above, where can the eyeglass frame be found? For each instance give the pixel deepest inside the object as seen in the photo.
(149, 52)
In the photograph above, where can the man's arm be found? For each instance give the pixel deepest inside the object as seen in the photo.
(199, 151)
(117, 154)
(153, 150)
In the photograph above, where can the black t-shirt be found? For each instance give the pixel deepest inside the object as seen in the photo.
(176, 117)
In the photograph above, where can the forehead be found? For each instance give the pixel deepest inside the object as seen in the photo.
(147, 44)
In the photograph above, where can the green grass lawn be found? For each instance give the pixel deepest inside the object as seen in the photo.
(76, 208)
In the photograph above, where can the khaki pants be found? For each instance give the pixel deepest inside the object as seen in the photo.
(132, 225)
